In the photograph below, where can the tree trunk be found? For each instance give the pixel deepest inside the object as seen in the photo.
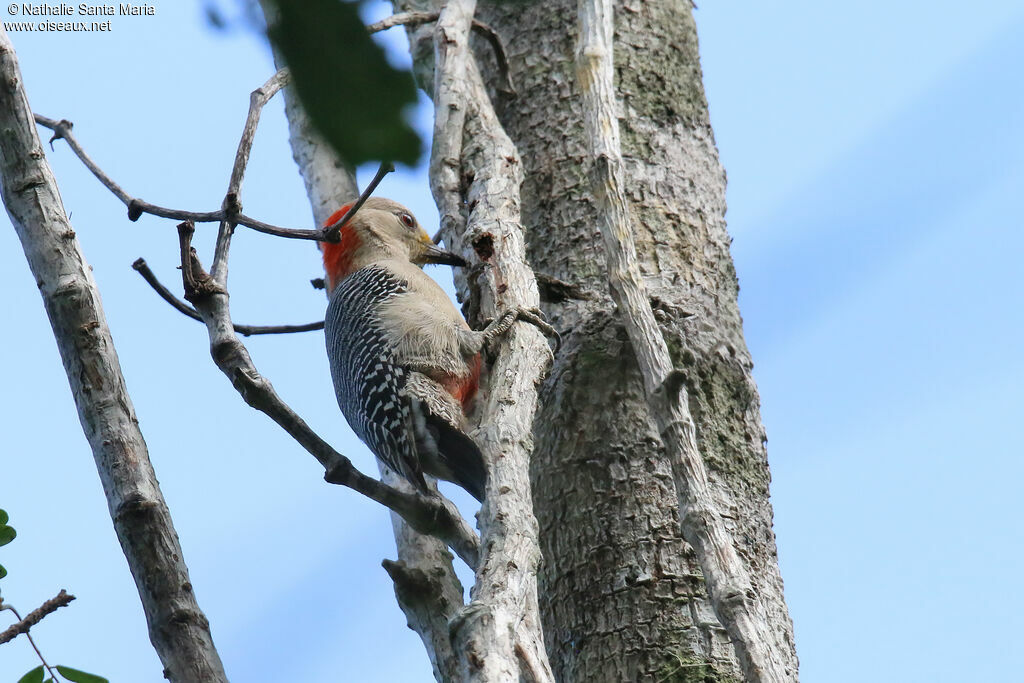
(622, 595)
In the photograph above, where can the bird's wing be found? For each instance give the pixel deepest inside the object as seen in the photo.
(369, 384)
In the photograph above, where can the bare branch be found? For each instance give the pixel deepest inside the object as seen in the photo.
(143, 269)
(257, 100)
(62, 599)
(137, 207)
(736, 603)
(31, 640)
(492, 37)
(411, 19)
(178, 629)
(426, 587)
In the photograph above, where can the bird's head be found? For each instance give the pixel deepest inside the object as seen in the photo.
(381, 230)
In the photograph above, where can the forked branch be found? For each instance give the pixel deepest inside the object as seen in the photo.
(150, 277)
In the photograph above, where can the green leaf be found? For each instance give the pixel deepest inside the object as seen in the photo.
(3, 572)
(7, 534)
(352, 95)
(79, 676)
(33, 676)
(3, 517)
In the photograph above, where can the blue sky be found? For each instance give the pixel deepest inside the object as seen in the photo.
(875, 155)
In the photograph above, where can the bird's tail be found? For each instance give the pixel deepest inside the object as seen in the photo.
(463, 458)
(447, 453)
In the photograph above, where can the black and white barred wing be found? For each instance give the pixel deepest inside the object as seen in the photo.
(369, 385)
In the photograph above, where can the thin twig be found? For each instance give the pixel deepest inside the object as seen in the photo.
(332, 232)
(231, 204)
(412, 19)
(143, 269)
(257, 100)
(417, 18)
(28, 635)
(507, 87)
(62, 599)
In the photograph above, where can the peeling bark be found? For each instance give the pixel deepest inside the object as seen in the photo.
(475, 176)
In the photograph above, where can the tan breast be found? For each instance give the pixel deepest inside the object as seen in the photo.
(424, 325)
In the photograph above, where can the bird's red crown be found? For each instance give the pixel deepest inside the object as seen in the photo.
(338, 255)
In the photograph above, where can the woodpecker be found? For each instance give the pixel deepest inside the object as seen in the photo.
(405, 365)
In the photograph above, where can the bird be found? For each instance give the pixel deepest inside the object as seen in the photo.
(405, 364)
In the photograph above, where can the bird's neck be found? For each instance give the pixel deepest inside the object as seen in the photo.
(341, 257)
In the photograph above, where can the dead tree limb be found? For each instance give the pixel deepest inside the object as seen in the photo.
(498, 635)
(137, 207)
(426, 588)
(178, 629)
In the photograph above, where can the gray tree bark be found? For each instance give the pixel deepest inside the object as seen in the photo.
(622, 595)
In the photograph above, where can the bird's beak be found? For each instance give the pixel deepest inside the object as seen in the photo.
(435, 254)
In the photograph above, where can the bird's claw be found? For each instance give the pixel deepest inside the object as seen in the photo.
(535, 317)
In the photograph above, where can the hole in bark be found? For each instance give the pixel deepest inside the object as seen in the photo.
(484, 246)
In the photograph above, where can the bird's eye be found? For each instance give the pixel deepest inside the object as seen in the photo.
(407, 220)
